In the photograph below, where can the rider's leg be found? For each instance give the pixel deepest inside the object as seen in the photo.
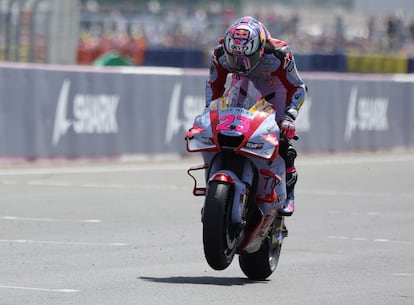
(288, 153)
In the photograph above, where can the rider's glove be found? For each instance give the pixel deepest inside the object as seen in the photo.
(287, 129)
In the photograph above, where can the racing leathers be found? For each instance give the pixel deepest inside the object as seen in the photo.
(277, 78)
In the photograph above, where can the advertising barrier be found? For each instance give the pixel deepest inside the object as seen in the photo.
(346, 112)
(84, 112)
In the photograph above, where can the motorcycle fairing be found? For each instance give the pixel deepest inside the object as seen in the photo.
(200, 136)
(257, 125)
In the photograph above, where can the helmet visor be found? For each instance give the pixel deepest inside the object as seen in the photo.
(243, 63)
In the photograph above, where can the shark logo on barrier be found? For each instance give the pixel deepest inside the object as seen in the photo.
(92, 114)
(366, 114)
(191, 107)
(62, 124)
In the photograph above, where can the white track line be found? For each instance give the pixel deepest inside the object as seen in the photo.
(39, 289)
(48, 242)
(17, 218)
(403, 274)
(63, 184)
(375, 240)
(90, 169)
(184, 164)
(94, 185)
(353, 193)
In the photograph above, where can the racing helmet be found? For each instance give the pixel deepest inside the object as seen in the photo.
(244, 43)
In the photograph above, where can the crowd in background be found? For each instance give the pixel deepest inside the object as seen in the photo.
(130, 33)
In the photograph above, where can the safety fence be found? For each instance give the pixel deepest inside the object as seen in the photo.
(367, 63)
(90, 112)
(41, 31)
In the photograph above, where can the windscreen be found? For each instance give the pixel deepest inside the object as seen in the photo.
(243, 93)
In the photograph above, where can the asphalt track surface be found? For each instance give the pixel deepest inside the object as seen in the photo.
(130, 233)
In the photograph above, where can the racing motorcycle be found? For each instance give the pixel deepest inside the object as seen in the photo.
(238, 138)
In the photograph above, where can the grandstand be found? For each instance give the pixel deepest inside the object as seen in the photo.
(44, 31)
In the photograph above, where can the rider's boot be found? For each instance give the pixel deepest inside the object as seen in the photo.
(291, 178)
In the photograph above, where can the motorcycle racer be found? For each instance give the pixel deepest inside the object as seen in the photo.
(247, 50)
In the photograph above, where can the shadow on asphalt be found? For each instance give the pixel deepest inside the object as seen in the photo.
(201, 280)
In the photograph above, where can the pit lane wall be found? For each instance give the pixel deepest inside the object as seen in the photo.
(84, 112)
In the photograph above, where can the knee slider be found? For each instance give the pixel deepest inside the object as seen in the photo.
(289, 154)
(291, 178)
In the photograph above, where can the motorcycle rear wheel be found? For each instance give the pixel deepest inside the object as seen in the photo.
(219, 237)
(261, 264)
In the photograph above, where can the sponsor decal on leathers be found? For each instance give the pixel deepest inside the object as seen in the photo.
(181, 114)
(366, 114)
(90, 113)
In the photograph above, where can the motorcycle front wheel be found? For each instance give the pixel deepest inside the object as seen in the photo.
(219, 237)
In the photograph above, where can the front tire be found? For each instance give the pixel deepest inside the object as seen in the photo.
(219, 237)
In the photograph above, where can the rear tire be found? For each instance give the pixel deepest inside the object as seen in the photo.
(219, 236)
(261, 264)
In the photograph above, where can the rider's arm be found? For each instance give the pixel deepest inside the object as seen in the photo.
(215, 85)
(288, 73)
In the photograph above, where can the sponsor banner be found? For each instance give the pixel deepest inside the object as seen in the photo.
(345, 115)
(73, 114)
(79, 113)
